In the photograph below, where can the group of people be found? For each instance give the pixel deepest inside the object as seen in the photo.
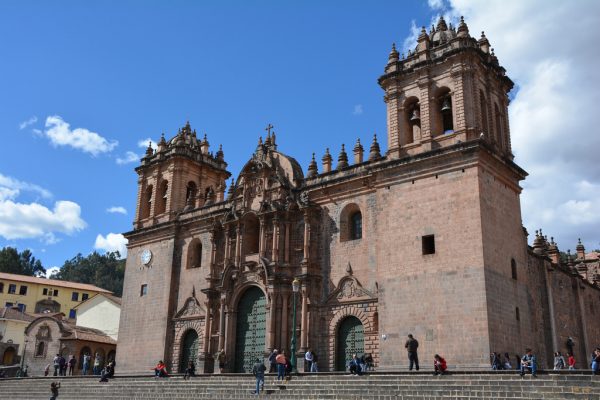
(61, 365)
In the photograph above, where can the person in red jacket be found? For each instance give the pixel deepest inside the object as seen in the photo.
(439, 364)
(571, 361)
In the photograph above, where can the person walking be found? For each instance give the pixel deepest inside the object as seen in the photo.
(56, 363)
(72, 363)
(571, 361)
(272, 362)
(314, 367)
(190, 370)
(281, 364)
(411, 346)
(308, 360)
(54, 386)
(86, 364)
(259, 373)
(529, 361)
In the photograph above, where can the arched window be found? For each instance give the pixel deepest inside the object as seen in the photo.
(190, 195)
(412, 121)
(484, 115)
(446, 111)
(40, 350)
(194, 254)
(513, 268)
(162, 198)
(350, 223)
(356, 226)
(146, 204)
(442, 112)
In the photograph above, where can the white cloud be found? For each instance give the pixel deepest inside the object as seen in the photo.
(51, 270)
(553, 114)
(117, 210)
(143, 143)
(358, 109)
(14, 186)
(60, 134)
(112, 242)
(129, 158)
(411, 40)
(33, 220)
(436, 4)
(30, 121)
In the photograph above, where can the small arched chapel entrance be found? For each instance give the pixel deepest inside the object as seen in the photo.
(189, 349)
(251, 326)
(350, 339)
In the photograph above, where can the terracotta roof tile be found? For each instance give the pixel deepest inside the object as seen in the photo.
(52, 282)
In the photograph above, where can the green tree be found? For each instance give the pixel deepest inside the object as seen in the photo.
(102, 270)
(24, 263)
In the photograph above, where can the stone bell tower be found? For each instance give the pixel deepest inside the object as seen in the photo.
(449, 89)
(181, 174)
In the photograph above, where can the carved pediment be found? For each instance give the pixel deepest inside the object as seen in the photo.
(191, 309)
(350, 289)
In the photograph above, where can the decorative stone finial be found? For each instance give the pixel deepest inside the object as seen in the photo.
(220, 156)
(393, 57)
(358, 152)
(374, 151)
(342, 159)
(230, 189)
(327, 159)
(463, 29)
(441, 25)
(312, 167)
(484, 43)
(149, 150)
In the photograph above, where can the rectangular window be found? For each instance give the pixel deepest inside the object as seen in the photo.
(22, 307)
(45, 291)
(144, 290)
(8, 305)
(428, 243)
(517, 314)
(12, 289)
(84, 296)
(75, 296)
(23, 290)
(55, 293)
(72, 314)
(1, 287)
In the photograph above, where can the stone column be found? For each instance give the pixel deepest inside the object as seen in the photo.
(238, 245)
(304, 321)
(552, 315)
(306, 237)
(272, 318)
(287, 242)
(285, 345)
(222, 324)
(213, 254)
(261, 238)
(227, 246)
(425, 105)
(275, 256)
(582, 320)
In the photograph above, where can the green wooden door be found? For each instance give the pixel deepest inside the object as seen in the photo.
(350, 340)
(189, 349)
(250, 330)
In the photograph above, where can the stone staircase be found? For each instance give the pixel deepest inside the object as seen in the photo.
(400, 386)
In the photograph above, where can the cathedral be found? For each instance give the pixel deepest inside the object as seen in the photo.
(352, 256)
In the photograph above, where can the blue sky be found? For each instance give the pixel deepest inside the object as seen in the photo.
(82, 83)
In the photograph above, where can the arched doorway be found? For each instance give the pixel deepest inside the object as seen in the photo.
(189, 349)
(350, 339)
(9, 356)
(250, 329)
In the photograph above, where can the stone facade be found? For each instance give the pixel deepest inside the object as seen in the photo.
(425, 239)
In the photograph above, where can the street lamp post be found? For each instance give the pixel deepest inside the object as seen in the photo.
(295, 288)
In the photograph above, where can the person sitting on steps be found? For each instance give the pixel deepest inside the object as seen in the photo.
(439, 365)
(529, 361)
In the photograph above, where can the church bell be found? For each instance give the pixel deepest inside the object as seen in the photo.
(446, 105)
(416, 115)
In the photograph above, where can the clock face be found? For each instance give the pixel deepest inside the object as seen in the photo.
(146, 257)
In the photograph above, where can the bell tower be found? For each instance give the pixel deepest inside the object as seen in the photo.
(449, 89)
(180, 175)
